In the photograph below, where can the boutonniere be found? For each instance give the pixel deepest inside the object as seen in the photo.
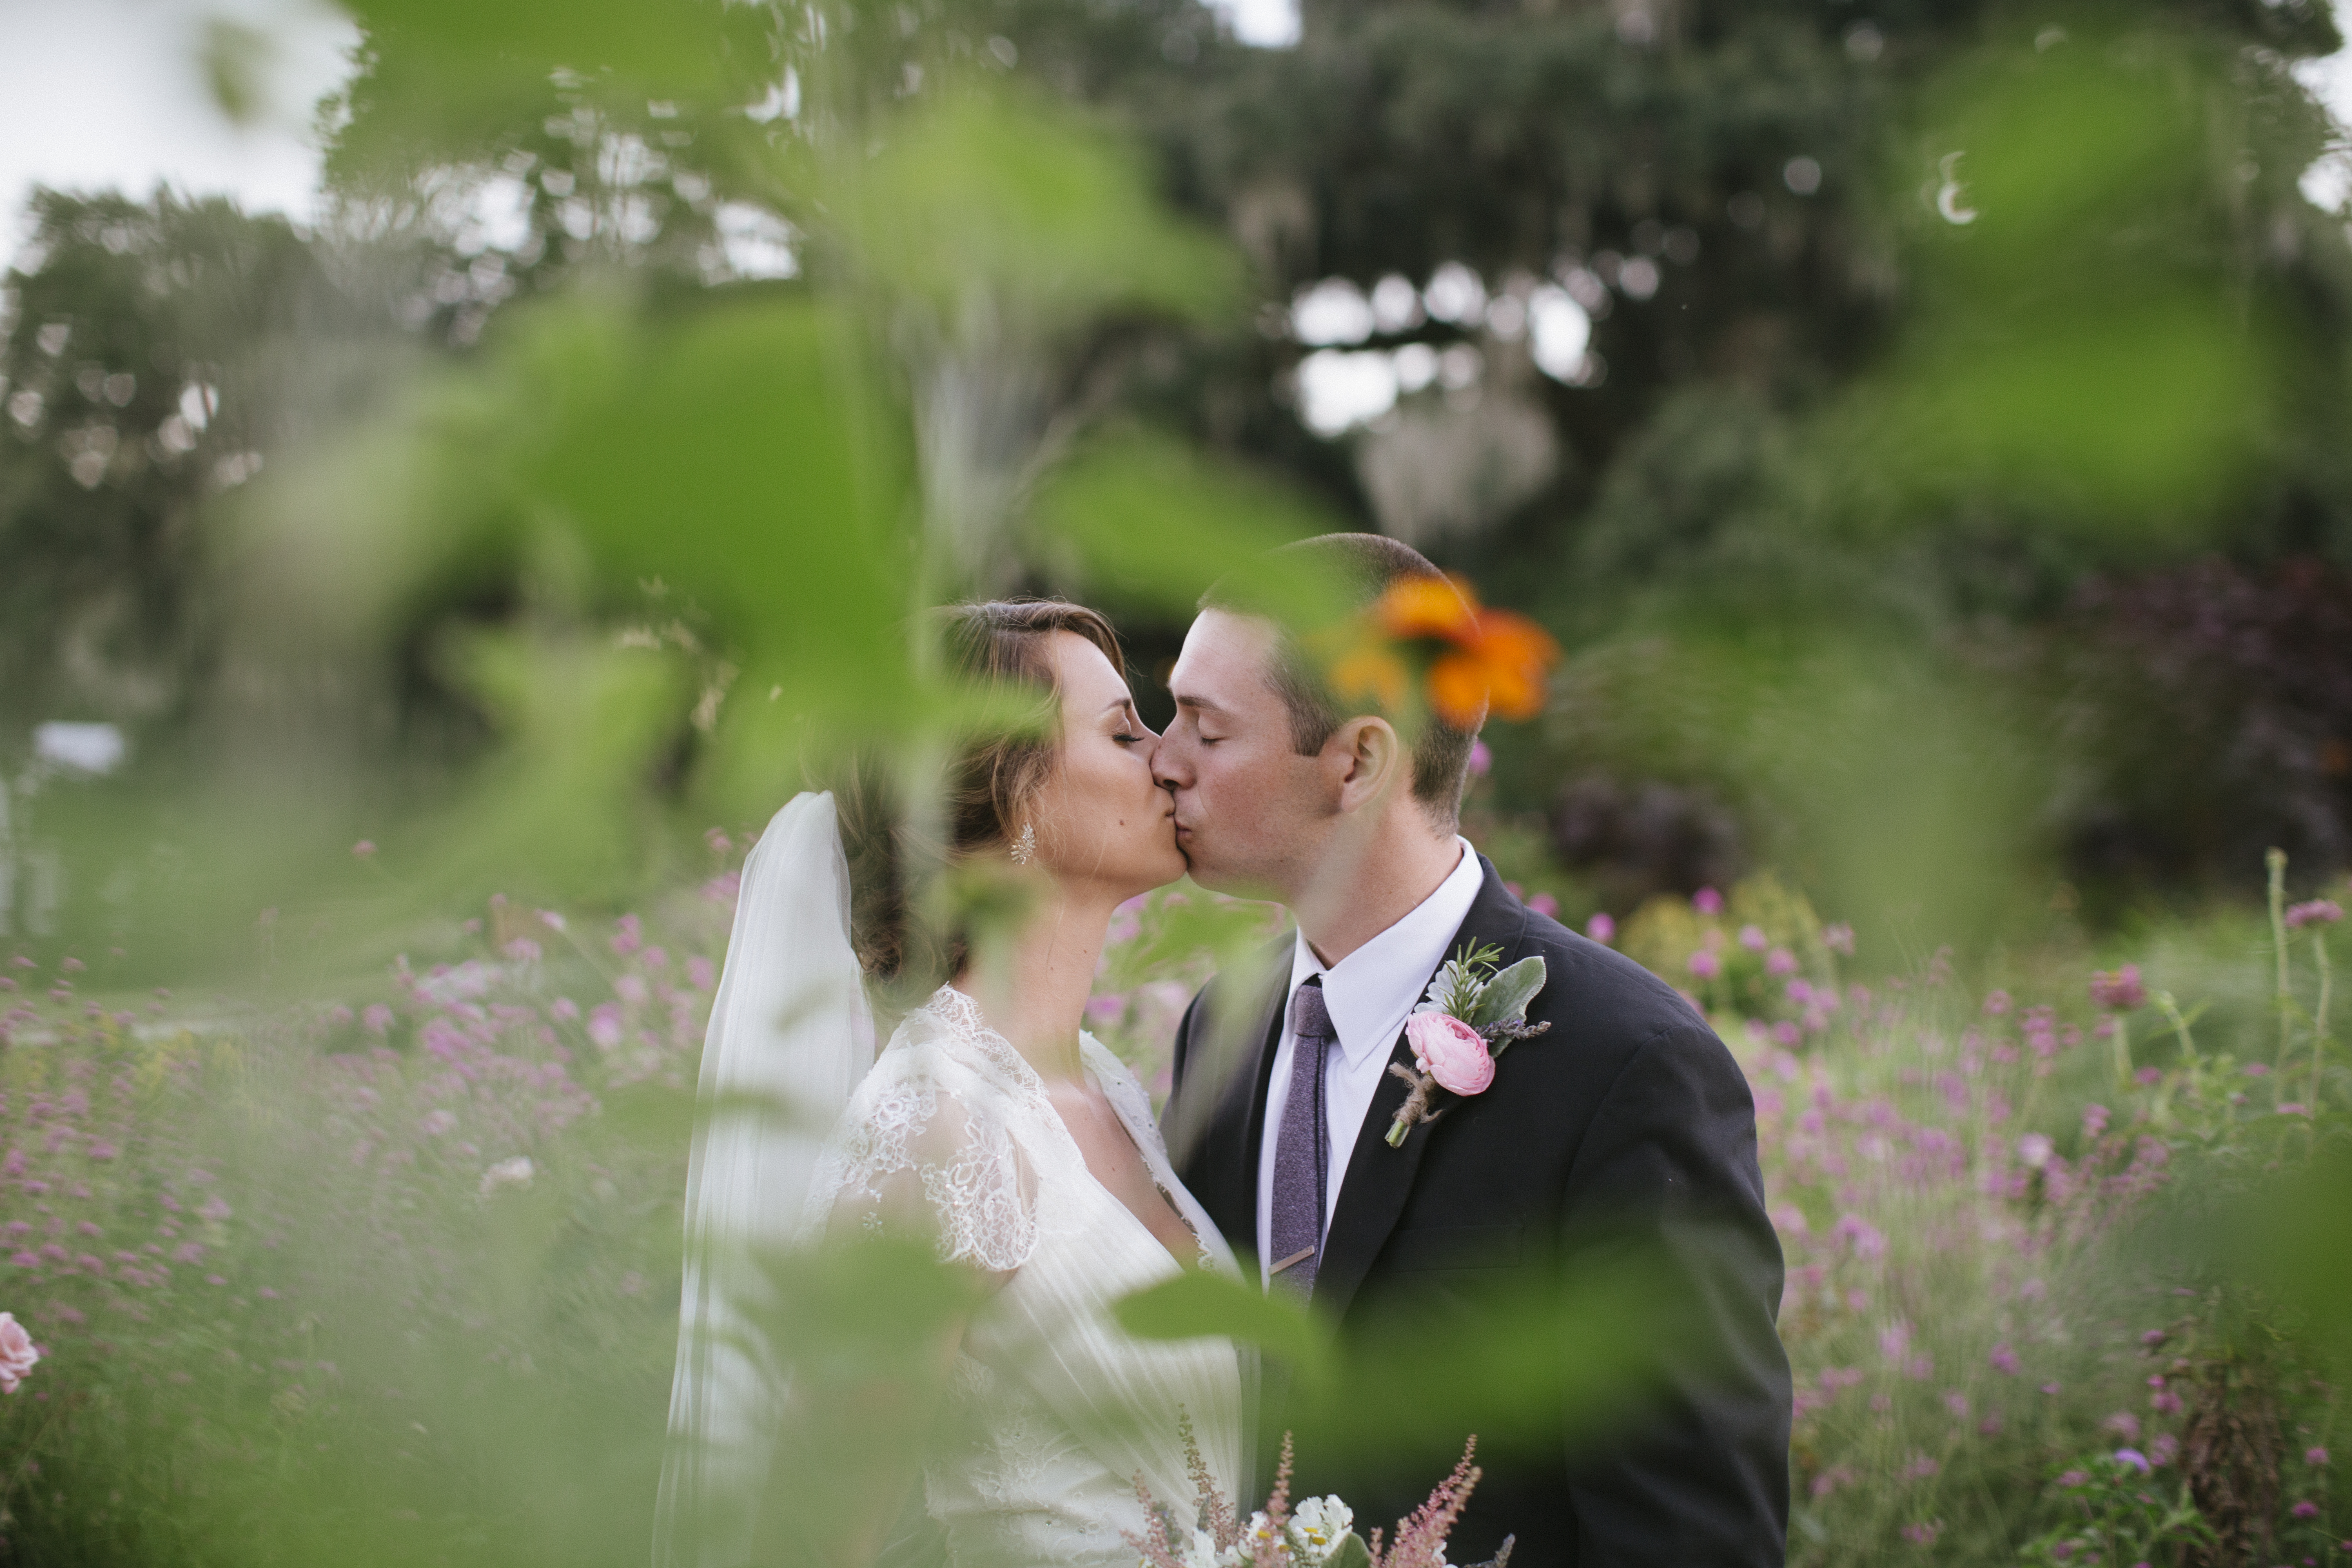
(1471, 1016)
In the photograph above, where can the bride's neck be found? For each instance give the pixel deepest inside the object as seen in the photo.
(1033, 990)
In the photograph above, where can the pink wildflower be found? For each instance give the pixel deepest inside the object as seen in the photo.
(1708, 902)
(2121, 990)
(1481, 759)
(17, 1353)
(1601, 928)
(1705, 965)
(2004, 1359)
(2095, 1120)
(1545, 905)
(2306, 1509)
(2314, 1456)
(1839, 939)
(1753, 939)
(364, 850)
(2318, 911)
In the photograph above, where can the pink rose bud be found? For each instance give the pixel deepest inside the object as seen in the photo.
(1449, 1051)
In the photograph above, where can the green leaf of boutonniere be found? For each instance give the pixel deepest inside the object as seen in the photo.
(1349, 1552)
(1504, 998)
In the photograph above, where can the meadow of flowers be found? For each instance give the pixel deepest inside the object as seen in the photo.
(405, 1263)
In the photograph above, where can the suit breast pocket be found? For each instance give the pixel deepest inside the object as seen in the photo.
(1455, 1246)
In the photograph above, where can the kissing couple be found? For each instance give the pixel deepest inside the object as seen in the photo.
(995, 1128)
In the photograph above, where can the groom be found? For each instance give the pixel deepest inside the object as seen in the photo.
(1624, 1132)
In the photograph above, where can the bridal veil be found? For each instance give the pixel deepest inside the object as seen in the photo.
(791, 1035)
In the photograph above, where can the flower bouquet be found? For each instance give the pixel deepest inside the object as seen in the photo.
(1318, 1532)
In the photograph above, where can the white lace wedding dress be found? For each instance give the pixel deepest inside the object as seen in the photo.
(1059, 1410)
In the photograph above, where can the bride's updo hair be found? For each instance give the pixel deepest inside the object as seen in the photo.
(999, 643)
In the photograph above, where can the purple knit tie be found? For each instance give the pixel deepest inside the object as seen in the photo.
(1302, 1152)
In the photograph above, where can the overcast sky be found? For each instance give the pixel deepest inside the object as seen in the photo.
(105, 94)
(98, 94)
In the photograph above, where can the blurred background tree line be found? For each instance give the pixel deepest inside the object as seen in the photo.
(1924, 424)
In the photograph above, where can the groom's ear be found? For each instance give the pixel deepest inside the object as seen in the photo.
(1368, 759)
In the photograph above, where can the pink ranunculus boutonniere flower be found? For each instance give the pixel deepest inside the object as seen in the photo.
(1449, 1051)
(1473, 1012)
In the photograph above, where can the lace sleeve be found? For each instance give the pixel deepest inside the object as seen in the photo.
(925, 1147)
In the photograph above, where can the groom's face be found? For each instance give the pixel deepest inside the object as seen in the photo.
(1251, 813)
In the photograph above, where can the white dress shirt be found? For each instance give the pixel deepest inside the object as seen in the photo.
(1370, 993)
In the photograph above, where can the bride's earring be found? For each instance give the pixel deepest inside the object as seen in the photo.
(1024, 849)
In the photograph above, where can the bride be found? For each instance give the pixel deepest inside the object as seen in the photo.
(990, 1124)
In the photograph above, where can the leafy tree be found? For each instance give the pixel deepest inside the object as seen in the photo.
(157, 355)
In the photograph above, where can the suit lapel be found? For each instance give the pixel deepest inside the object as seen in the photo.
(1267, 1039)
(1379, 1178)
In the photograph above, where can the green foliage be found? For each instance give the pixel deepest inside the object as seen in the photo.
(2124, 1514)
(1506, 997)
(1017, 199)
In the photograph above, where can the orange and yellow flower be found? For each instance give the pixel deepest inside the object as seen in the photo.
(1491, 661)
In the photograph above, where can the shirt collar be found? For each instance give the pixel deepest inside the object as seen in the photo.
(1369, 992)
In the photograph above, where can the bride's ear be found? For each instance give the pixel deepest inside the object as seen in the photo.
(1369, 757)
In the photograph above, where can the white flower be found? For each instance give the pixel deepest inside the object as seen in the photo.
(1202, 1552)
(1315, 1526)
(516, 1172)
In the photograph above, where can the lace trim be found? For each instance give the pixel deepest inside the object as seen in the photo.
(963, 1017)
(1126, 1094)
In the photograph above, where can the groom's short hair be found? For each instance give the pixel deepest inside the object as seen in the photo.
(1362, 566)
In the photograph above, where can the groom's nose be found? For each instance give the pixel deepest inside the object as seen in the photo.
(1172, 766)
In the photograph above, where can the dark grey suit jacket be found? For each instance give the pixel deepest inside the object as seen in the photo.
(1624, 1136)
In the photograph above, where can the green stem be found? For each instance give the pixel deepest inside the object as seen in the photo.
(2123, 1052)
(2319, 1028)
(2180, 1025)
(2276, 860)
